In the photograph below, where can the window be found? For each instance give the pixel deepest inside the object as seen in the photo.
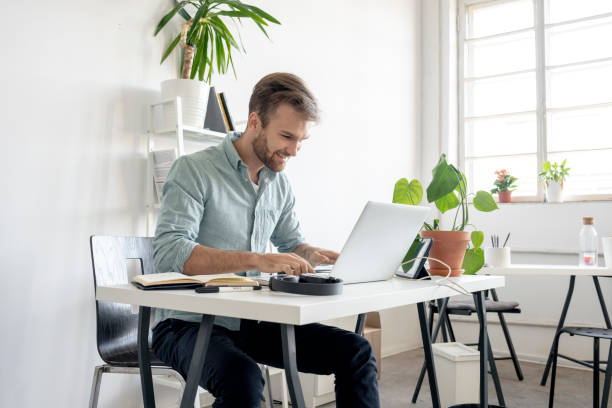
(535, 84)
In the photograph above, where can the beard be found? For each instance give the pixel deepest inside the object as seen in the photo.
(272, 160)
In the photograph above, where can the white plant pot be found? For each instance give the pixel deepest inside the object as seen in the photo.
(194, 100)
(554, 192)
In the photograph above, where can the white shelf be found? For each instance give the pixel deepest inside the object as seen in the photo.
(192, 133)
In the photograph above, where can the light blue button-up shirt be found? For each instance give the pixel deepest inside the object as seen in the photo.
(209, 200)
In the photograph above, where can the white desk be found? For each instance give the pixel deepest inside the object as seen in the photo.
(570, 271)
(291, 310)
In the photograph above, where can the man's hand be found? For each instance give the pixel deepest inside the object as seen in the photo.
(317, 256)
(291, 264)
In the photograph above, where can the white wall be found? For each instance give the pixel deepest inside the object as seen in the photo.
(76, 77)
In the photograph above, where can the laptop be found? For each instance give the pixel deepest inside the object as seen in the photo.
(378, 243)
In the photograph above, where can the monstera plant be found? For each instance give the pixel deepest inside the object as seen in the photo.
(456, 247)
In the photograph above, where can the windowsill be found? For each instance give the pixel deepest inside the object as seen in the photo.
(569, 200)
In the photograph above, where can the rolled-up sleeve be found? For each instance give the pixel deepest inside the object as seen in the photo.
(180, 216)
(287, 234)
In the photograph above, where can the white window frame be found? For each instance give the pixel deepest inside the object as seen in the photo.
(540, 71)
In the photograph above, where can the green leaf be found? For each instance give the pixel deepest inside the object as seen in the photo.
(477, 238)
(196, 24)
(170, 48)
(473, 260)
(169, 16)
(184, 14)
(448, 202)
(444, 180)
(263, 14)
(546, 166)
(484, 201)
(407, 192)
(462, 184)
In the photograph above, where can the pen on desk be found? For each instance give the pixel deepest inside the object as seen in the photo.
(222, 289)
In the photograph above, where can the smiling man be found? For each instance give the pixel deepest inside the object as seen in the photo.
(221, 206)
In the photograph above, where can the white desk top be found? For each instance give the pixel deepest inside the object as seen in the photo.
(546, 270)
(286, 308)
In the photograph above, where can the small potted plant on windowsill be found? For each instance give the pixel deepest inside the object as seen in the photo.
(448, 190)
(554, 175)
(207, 44)
(504, 186)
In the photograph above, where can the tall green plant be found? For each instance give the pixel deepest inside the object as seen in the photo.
(206, 39)
(448, 190)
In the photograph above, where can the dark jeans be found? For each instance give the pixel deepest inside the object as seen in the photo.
(231, 373)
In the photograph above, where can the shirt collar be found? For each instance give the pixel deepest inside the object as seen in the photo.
(234, 157)
(230, 150)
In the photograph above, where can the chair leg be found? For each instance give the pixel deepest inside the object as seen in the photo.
(607, 380)
(596, 372)
(502, 321)
(451, 332)
(269, 399)
(95, 386)
(553, 355)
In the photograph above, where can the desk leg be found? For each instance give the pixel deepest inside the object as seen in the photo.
(602, 302)
(290, 365)
(568, 299)
(433, 383)
(144, 360)
(483, 346)
(434, 336)
(197, 361)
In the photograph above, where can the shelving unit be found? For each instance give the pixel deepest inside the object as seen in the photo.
(180, 133)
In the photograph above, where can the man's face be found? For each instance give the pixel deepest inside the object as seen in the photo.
(281, 138)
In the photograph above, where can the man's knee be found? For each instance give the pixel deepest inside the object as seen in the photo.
(357, 351)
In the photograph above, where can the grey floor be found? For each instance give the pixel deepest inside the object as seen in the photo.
(573, 387)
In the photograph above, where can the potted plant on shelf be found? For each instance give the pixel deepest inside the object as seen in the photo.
(448, 190)
(504, 186)
(554, 175)
(207, 44)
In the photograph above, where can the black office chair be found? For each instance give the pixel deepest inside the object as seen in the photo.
(596, 334)
(116, 325)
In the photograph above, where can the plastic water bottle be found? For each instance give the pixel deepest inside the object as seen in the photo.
(588, 243)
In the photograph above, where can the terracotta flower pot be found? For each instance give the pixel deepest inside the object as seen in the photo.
(504, 196)
(449, 247)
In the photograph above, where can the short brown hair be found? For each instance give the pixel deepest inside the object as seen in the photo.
(278, 88)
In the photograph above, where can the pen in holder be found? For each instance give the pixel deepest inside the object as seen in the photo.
(495, 255)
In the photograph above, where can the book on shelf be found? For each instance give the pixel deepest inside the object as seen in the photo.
(226, 112)
(217, 116)
(175, 280)
(162, 162)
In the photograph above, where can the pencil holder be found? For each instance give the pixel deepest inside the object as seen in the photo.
(497, 257)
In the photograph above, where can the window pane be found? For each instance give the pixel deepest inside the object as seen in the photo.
(514, 93)
(480, 173)
(500, 55)
(590, 172)
(489, 19)
(580, 129)
(579, 42)
(508, 135)
(564, 10)
(581, 85)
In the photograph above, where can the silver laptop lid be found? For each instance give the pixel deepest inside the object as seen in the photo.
(379, 241)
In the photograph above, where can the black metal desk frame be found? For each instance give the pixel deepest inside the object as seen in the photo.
(289, 357)
(568, 299)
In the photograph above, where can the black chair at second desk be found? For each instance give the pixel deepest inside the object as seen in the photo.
(596, 334)
(466, 308)
(116, 325)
